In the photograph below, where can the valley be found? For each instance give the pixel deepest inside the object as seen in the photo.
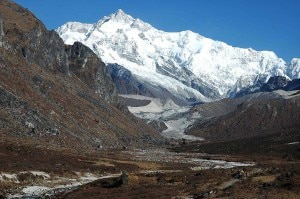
(120, 109)
(195, 170)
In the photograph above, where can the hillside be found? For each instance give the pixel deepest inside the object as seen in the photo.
(256, 117)
(58, 96)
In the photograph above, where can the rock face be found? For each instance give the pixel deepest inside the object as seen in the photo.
(85, 65)
(25, 36)
(58, 96)
(126, 82)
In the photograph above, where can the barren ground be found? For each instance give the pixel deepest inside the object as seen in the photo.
(154, 173)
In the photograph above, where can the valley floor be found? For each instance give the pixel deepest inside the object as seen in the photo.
(236, 169)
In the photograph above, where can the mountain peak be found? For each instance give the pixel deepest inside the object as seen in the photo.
(120, 12)
(120, 15)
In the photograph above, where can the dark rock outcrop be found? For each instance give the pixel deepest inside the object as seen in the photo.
(126, 82)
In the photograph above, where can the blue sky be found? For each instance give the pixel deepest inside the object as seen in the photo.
(259, 24)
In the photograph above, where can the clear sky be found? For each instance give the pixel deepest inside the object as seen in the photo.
(259, 24)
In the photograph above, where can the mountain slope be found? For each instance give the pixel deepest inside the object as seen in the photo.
(191, 67)
(253, 118)
(58, 96)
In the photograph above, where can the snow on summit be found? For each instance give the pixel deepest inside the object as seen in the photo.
(185, 63)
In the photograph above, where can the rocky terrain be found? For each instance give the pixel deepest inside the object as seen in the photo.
(235, 170)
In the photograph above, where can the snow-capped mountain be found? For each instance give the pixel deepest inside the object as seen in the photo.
(187, 65)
